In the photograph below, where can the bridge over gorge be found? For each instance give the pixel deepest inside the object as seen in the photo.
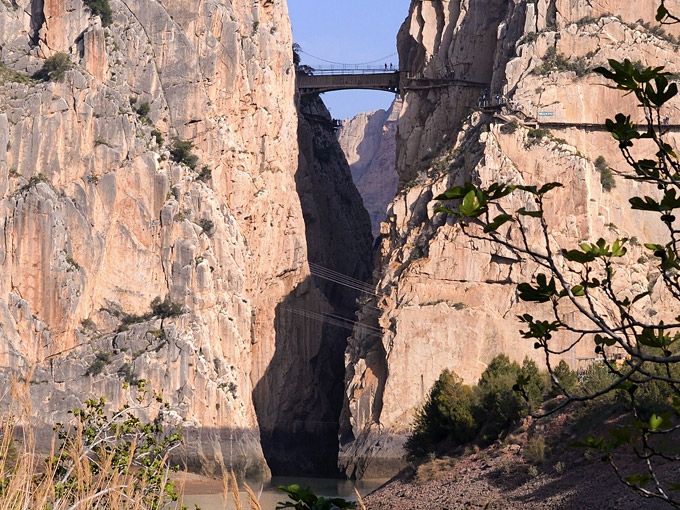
(317, 81)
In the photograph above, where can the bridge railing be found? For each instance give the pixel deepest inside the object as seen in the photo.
(339, 70)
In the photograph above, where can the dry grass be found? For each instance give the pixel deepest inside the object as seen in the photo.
(434, 470)
(75, 476)
(535, 450)
(80, 475)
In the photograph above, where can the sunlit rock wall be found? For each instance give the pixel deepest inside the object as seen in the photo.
(97, 220)
(369, 143)
(445, 300)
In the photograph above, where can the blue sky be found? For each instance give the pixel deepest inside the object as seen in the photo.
(349, 31)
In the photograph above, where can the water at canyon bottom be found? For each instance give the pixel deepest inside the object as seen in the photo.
(207, 494)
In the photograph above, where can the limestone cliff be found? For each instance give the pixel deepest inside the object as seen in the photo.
(369, 143)
(445, 300)
(100, 214)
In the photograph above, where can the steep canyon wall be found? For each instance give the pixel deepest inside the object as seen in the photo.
(445, 300)
(99, 217)
(369, 143)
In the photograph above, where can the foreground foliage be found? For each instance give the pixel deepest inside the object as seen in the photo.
(302, 498)
(583, 296)
(101, 459)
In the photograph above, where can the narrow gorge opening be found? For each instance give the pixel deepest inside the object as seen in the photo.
(299, 423)
(301, 397)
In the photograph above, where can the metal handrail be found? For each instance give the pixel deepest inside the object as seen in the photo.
(350, 70)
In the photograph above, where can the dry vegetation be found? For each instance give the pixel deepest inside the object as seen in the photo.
(96, 462)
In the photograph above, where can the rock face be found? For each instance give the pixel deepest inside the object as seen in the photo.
(445, 300)
(100, 216)
(300, 398)
(369, 143)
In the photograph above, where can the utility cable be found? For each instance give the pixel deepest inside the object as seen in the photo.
(381, 59)
(322, 271)
(335, 320)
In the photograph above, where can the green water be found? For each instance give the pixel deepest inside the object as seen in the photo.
(269, 496)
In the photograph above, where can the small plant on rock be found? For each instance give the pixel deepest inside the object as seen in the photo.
(55, 68)
(158, 136)
(181, 152)
(164, 308)
(101, 360)
(207, 225)
(606, 174)
(102, 9)
(205, 174)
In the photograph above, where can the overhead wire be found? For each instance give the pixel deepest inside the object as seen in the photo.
(342, 279)
(381, 59)
(335, 320)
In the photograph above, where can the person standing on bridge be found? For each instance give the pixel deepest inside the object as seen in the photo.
(391, 67)
(385, 66)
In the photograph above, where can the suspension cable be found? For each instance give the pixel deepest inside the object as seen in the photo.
(381, 59)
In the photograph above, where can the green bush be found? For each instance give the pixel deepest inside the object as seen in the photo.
(535, 135)
(164, 308)
(10, 75)
(55, 67)
(303, 498)
(158, 136)
(567, 378)
(606, 174)
(553, 61)
(499, 405)
(101, 360)
(102, 9)
(205, 174)
(448, 415)
(143, 109)
(455, 414)
(597, 377)
(207, 225)
(509, 127)
(181, 152)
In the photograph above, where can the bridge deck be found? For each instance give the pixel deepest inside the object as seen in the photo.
(327, 80)
(318, 83)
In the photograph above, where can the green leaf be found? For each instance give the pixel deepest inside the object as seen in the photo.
(548, 187)
(578, 290)
(445, 210)
(638, 480)
(471, 206)
(541, 293)
(655, 422)
(454, 193)
(578, 256)
(604, 340)
(497, 222)
(652, 338)
(524, 212)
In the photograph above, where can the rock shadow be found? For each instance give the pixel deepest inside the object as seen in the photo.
(300, 396)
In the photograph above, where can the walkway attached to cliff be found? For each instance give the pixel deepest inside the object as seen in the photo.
(318, 81)
(506, 113)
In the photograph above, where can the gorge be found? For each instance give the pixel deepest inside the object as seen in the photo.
(174, 211)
